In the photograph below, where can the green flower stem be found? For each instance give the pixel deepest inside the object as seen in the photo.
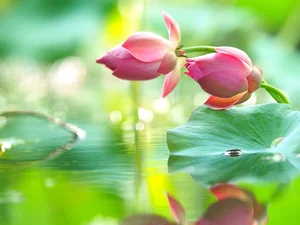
(275, 93)
(205, 49)
(275, 96)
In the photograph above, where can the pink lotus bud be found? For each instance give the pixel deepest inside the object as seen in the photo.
(228, 75)
(145, 55)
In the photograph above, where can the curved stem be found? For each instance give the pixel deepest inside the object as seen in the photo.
(275, 96)
(275, 93)
(205, 49)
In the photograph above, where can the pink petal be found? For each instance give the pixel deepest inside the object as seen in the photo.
(225, 190)
(168, 63)
(236, 53)
(173, 29)
(172, 78)
(222, 62)
(244, 98)
(133, 69)
(109, 61)
(177, 210)
(193, 71)
(223, 103)
(254, 79)
(120, 52)
(113, 57)
(223, 84)
(147, 46)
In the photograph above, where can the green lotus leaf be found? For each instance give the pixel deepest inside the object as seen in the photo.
(254, 143)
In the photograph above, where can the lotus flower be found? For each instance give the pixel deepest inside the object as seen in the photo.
(145, 56)
(227, 75)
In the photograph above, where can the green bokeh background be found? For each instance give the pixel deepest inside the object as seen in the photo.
(47, 64)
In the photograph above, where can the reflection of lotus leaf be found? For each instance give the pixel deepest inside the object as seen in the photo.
(235, 144)
(34, 137)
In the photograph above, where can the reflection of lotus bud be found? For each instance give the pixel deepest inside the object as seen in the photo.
(230, 211)
(234, 206)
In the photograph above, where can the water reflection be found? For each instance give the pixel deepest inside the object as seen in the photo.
(33, 137)
(97, 177)
(232, 206)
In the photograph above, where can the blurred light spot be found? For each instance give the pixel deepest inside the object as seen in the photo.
(14, 197)
(81, 134)
(127, 126)
(67, 75)
(161, 105)
(70, 70)
(250, 101)
(116, 116)
(145, 115)
(5, 145)
(277, 157)
(3, 148)
(49, 183)
(139, 126)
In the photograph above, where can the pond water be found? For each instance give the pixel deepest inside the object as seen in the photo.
(112, 173)
(97, 181)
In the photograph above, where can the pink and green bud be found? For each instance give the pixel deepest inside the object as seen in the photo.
(145, 56)
(227, 75)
